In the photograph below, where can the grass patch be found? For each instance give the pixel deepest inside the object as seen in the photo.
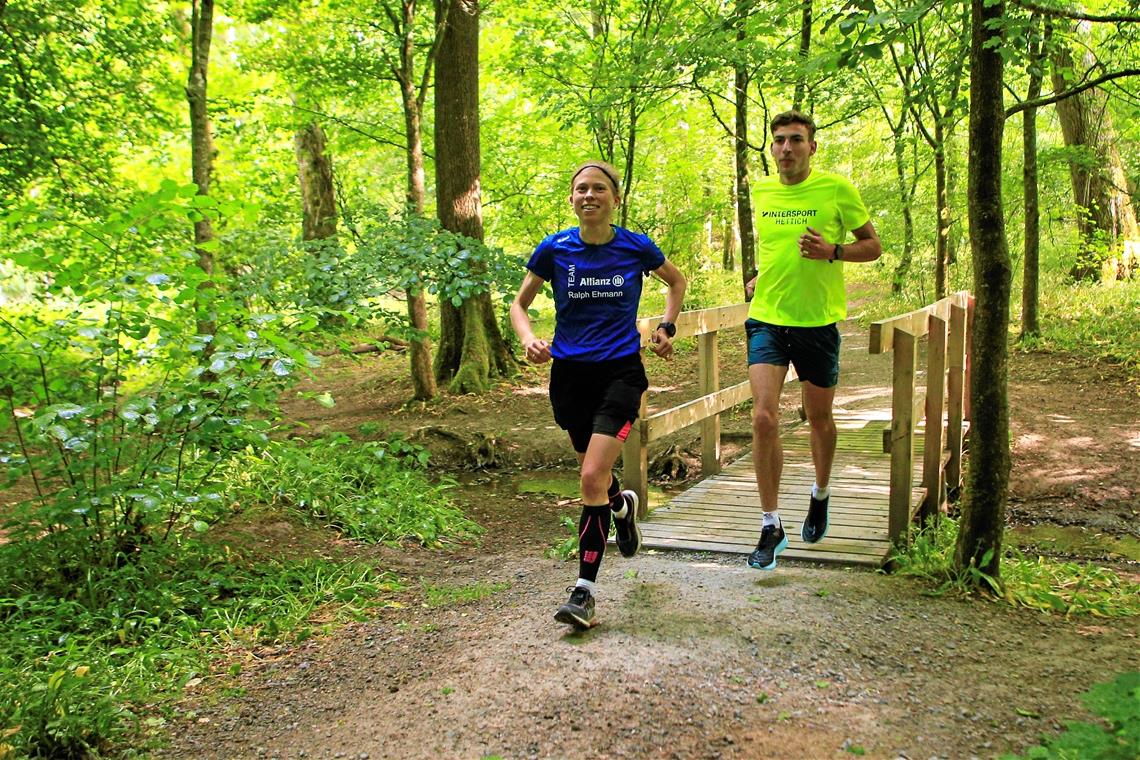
(1066, 588)
(375, 491)
(88, 663)
(1118, 738)
(445, 595)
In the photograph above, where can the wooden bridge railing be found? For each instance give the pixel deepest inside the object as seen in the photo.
(704, 324)
(945, 324)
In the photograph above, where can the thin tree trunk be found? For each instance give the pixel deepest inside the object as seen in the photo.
(472, 349)
(805, 51)
(906, 196)
(419, 348)
(202, 152)
(1031, 271)
(942, 211)
(983, 511)
(315, 173)
(744, 217)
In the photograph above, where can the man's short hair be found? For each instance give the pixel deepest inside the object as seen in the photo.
(794, 117)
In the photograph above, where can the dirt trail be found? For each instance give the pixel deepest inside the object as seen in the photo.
(696, 656)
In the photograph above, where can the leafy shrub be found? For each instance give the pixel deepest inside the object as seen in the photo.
(375, 491)
(115, 410)
(1062, 587)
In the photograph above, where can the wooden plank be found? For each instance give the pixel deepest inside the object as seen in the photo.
(902, 425)
(955, 376)
(932, 441)
(690, 323)
(882, 338)
(671, 420)
(708, 381)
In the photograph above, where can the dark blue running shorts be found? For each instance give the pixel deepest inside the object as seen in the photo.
(597, 397)
(813, 351)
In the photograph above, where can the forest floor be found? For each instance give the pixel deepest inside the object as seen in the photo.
(696, 655)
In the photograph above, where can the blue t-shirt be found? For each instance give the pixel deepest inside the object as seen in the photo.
(597, 289)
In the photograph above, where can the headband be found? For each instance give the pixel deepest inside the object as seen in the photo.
(600, 168)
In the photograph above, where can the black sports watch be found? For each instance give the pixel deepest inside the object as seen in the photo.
(669, 328)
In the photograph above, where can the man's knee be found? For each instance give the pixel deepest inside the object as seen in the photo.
(765, 422)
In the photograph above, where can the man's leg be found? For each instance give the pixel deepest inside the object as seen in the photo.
(817, 406)
(767, 381)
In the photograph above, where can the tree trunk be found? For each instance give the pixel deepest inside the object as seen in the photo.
(728, 244)
(983, 510)
(906, 197)
(318, 195)
(1032, 243)
(744, 218)
(419, 348)
(805, 50)
(942, 212)
(1100, 185)
(472, 349)
(202, 153)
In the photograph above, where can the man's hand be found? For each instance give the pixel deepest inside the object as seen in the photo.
(750, 289)
(537, 350)
(661, 344)
(813, 246)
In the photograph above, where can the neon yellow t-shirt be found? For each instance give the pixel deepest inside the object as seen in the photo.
(790, 290)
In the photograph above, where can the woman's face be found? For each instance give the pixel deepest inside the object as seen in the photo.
(593, 196)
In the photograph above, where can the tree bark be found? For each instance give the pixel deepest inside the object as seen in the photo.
(1100, 186)
(202, 153)
(472, 349)
(983, 511)
(744, 217)
(318, 194)
(805, 50)
(1032, 243)
(419, 353)
(942, 206)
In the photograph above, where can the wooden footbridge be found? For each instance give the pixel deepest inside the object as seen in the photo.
(893, 465)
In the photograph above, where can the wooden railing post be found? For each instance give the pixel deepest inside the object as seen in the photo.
(932, 441)
(635, 458)
(902, 437)
(955, 385)
(708, 380)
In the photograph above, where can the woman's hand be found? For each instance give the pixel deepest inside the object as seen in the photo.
(537, 350)
(661, 344)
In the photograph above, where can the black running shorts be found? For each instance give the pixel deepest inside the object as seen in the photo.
(597, 397)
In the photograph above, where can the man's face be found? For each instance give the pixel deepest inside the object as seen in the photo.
(792, 149)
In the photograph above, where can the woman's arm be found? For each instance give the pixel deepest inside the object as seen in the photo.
(537, 349)
(659, 341)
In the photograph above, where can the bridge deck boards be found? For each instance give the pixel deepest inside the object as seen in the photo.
(722, 513)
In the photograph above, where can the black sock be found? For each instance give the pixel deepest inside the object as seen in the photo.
(593, 530)
(614, 489)
(614, 493)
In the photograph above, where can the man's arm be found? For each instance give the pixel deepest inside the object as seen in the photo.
(865, 248)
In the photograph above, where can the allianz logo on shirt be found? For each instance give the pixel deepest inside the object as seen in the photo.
(577, 288)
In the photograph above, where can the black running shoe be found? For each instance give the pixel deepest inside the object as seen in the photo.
(578, 610)
(628, 534)
(815, 525)
(772, 541)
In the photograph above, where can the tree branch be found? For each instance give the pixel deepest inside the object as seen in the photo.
(1045, 10)
(1051, 99)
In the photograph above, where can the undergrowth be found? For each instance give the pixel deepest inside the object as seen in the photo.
(84, 661)
(1065, 588)
(374, 491)
(1118, 738)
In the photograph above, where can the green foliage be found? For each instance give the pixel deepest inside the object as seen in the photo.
(1118, 702)
(115, 410)
(567, 548)
(80, 663)
(442, 596)
(1060, 587)
(1091, 320)
(374, 491)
